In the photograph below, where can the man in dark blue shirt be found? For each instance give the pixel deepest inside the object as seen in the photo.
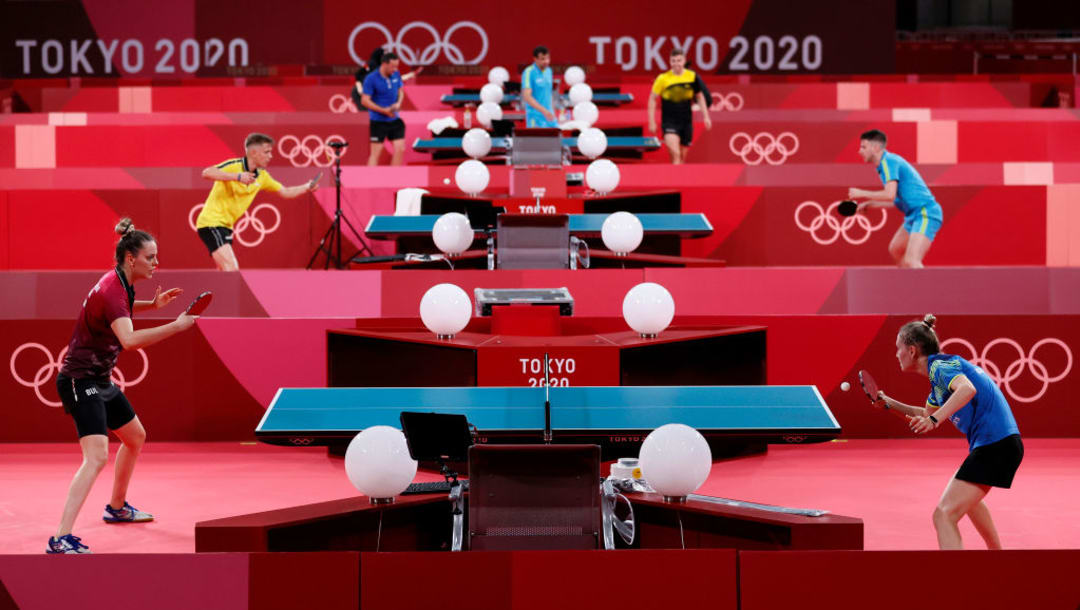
(382, 96)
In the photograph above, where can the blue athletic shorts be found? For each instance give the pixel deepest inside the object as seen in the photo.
(922, 221)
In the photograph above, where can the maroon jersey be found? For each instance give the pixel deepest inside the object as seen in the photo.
(94, 347)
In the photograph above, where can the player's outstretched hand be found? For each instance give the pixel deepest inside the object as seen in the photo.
(161, 299)
(185, 321)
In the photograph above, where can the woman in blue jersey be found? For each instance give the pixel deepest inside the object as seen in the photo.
(965, 395)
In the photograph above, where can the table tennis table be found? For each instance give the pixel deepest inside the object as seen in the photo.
(611, 416)
(502, 144)
(599, 98)
(585, 225)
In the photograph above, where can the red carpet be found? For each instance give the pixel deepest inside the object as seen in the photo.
(891, 484)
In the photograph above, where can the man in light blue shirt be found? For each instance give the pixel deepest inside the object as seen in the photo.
(905, 189)
(537, 90)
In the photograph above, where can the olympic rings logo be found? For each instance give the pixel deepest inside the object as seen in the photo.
(340, 104)
(310, 150)
(1017, 367)
(51, 367)
(732, 101)
(250, 219)
(840, 225)
(301, 441)
(431, 52)
(763, 147)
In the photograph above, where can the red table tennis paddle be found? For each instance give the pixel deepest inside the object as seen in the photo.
(200, 304)
(870, 387)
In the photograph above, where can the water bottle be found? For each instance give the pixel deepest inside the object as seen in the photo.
(468, 117)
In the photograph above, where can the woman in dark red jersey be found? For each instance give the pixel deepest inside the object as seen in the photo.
(103, 329)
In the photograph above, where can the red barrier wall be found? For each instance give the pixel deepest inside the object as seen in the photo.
(900, 580)
(526, 580)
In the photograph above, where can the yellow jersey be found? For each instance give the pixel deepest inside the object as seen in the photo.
(228, 201)
(677, 94)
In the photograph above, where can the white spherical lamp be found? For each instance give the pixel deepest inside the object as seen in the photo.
(452, 233)
(472, 177)
(586, 112)
(580, 93)
(445, 310)
(378, 463)
(476, 143)
(498, 75)
(622, 232)
(648, 308)
(602, 176)
(491, 92)
(592, 142)
(574, 75)
(675, 460)
(488, 112)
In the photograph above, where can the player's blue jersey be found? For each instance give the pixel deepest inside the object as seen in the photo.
(987, 418)
(911, 191)
(541, 84)
(383, 92)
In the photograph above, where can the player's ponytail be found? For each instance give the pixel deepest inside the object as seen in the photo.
(921, 334)
(131, 240)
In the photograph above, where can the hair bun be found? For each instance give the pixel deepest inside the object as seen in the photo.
(124, 227)
(929, 320)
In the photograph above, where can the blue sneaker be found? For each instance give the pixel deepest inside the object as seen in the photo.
(128, 514)
(66, 545)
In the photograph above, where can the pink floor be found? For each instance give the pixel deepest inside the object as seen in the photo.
(891, 484)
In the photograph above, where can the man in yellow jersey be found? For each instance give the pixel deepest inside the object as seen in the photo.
(677, 89)
(236, 182)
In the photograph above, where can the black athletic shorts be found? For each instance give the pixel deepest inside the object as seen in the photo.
(96, 404)
(994, 464)
(685, 131)
(387, 130)
(215, 237)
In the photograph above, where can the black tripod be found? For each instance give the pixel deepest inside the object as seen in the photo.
(330, 244)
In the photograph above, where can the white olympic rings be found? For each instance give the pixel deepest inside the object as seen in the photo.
(763, 147)
(250, 219)
(310, 150)
(838, 224)
(340, 104)
(51, 367)
(1016, 368)
(431, 52)
(732, 102)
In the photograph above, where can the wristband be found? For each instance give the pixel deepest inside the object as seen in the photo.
(933, 419)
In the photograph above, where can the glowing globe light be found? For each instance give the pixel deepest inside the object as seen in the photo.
(378, 463)
(445, 310)
(675, 460)
(648, 308)
(622, 232)
(452, 233)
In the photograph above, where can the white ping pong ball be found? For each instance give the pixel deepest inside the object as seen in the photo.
(445, 310)
(446, 181)
(845, 386)
(675, 460)
(378, 463)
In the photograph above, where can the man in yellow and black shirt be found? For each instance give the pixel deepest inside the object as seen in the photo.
(677, 89)
(236, 182)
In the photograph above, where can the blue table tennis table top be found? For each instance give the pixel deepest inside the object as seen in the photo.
(329, 413)
(685, 225)
(599, 98)
(636, 143)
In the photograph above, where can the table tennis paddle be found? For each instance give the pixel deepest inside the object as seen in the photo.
(869, 386)
(847, 207)
(200, 304)
(315, 180)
